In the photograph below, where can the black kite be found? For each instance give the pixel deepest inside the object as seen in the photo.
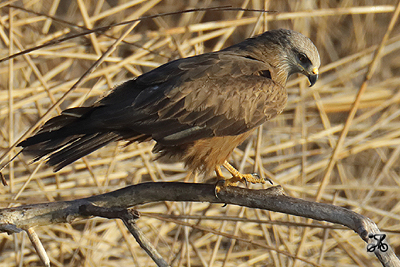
(197, 109)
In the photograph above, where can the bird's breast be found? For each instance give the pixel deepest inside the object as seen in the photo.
(205, 154)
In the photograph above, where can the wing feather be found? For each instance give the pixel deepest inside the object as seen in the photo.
(213, 94)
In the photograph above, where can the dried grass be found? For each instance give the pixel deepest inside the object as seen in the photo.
(293, 149)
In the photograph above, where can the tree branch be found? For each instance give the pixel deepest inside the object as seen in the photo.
(272, 199)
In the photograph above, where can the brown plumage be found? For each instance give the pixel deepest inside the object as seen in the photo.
(198, 109)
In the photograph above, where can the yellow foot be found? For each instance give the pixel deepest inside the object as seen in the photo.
(236, 178)
(244, 178)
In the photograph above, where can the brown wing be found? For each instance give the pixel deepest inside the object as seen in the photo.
(213, 94)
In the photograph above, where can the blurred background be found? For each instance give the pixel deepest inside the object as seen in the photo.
(293, 150)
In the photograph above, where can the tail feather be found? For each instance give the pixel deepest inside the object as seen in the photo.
(66, 138)
(70, 122)
(64, 151)
(41, 149)
(80, 148)
(66, 117)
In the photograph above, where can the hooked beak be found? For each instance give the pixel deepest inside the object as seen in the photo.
(313, 76)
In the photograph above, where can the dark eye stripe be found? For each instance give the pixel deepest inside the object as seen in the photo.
(303, 58)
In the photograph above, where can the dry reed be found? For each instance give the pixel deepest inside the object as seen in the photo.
(293, 150)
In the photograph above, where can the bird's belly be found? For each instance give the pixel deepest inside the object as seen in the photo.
(205, 154)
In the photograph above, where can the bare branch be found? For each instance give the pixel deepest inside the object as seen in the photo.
(272, 199)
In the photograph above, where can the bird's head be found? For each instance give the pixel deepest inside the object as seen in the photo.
(301, 56)
(291, 52)
(286, 52)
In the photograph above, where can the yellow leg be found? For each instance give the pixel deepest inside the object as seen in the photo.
(220, 177)
(219, 173)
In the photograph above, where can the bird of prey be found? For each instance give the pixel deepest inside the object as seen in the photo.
(197, 109)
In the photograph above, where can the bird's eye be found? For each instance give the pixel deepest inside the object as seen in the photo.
(302, 58)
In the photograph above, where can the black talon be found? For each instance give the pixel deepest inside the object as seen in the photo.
(215, 192)
(215, 188)
(246, 183)
(269, 180)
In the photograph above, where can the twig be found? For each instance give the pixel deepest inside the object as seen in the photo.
(33, 237)
(145, 243)
(129, 217)
(10, 229)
